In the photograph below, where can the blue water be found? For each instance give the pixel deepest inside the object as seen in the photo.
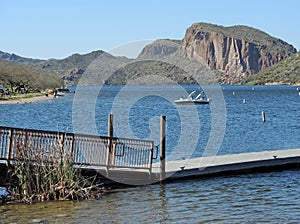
(244, 129)
(258, 198)
(253, 198)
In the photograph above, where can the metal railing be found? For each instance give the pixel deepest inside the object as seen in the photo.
(88, 150)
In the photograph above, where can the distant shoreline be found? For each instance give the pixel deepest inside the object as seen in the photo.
(25, 100)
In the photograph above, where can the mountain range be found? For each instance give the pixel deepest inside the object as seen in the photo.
(208, 54)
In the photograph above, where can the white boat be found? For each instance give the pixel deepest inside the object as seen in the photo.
(197, 100)
(64, 90)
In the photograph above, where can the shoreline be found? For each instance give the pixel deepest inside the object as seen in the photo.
(25, 100)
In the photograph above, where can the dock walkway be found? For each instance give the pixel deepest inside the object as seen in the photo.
(229, 164)
(232, 164)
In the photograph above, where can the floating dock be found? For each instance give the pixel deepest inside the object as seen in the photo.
(203, 167)
(264, 161)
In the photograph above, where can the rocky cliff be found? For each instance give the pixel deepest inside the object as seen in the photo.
(237, 51)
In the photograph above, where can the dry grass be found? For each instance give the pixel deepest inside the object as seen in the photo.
(37, 175)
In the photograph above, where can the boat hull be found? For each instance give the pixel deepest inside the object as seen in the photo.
(191, 101)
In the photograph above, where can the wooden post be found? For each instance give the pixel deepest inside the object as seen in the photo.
(110, 128)
(162, 147)
(263, 116)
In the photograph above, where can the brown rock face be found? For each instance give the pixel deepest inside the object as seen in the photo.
(158, 49)
(236, 57)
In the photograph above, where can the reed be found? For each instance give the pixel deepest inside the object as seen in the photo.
(41, 175)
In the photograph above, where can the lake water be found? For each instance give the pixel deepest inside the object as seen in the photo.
(232, 123)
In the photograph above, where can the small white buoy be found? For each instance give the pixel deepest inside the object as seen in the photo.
(244, 101)
(263, 116)
(233, 93)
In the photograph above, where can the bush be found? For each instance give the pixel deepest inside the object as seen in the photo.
(36, 175)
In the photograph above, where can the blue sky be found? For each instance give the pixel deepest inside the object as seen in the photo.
(59, 28)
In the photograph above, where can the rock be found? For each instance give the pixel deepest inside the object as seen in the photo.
(159, 48)
(77, 71)
(228, 50)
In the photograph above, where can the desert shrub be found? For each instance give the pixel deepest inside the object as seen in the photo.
(38, 175)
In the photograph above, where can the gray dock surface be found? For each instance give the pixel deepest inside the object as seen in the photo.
(232, 163)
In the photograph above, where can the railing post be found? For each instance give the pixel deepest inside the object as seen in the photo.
(162, 147)
(151, 158)
(73, 148)
(10, 141)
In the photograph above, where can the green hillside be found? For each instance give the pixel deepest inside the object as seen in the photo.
(141, 72)
(12, 75)
(285, 72)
